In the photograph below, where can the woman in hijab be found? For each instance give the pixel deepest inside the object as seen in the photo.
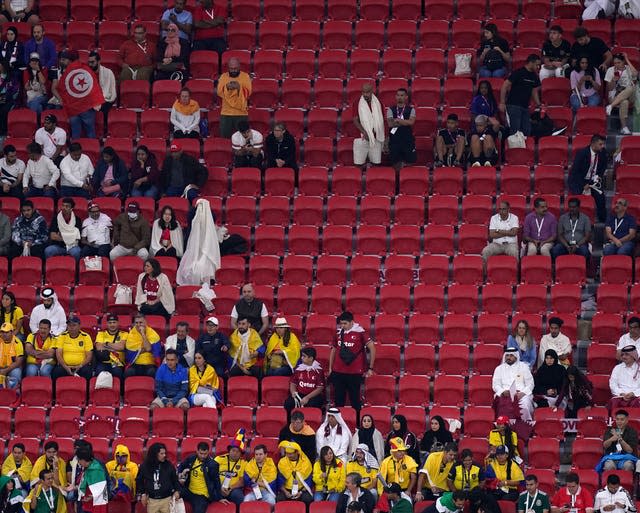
(577, 391)
(399, 429)
(368, 435)
(173, 55)
(549, 380)
(436, 437)
(11, 50)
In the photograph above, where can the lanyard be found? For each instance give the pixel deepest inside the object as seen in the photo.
(527, 507)
(49, 498)
(210, 14)
(396, 475)
(143, 48)
(573, 501)
(466, 478)
(400, 112)
(573, 229)
(593, 167)
(617, 223)
(539, 226)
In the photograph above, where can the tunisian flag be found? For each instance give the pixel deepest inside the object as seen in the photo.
(79, 89)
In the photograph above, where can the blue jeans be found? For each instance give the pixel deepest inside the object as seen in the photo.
(333, 497)
(576, 102)
(177, 192)
(151, 192)
(66, 191)
(199, 503)
(487, 73)
(37, 191)
(38, 105)
(625, 249)
(85, 120)
(13, 378)
(267, 497)
(519, 119)
(285, 370)
(559, 249)
(34, 369)
(55, 250)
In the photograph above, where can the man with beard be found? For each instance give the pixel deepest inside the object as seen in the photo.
(251, 308)
(51, 138)
(107, 82)
(74, 352)
(40, 350)
(246, 347)
(28, 234)
(513, 377)
(52, 462)
(11, 173)
(64, 233)
(234, 88)
(214, 345)
(110, 348)
(49, 309)
(199, 476)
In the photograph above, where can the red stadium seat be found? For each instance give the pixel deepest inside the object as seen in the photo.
(486, 357)
(531, 298)
(168, 422)
(65, 421)
(434, 270)
(36, 391)
(29, 421)
(478, 421)
(492, 327)
(448, 390)
(616, 269)
(606, 328)
(71, 391)
(438, 239)
(458, 328)
(586, 452)
(138, 391)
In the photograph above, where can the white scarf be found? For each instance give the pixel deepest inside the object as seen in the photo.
(68, 231)
(371, 119)
(315, 366)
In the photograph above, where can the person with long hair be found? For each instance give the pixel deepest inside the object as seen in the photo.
(145, 174)
(549, 380)
(204, 385)
(503, 436)
(493, 55)
(484, 103)
(157, 481)
(11, 312)
(111, 177)
(283, 350)
(522, 340)
(620, 79)
(35, 79)
(400, 429)
(329, 474)
(577, 391)
(368, 434)
(154, 295)
(12, 49)
(585, 85)
(167, 238)
(437, 436)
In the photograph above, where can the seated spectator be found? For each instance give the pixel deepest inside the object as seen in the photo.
(136, 56)
(594, 48)
(12, 50)
(182, 174)
(437, 436)
(368, 435)
(300, 433)
(631, 338)
(9, 91)
(503, 435)
(512, 374)
(432, 480)
(244, 350)
(574, 232)
(5, 234)
(493, 54)
(74, 352)
(335, 433)
(76, 173)
(504, 476)
(11, 357)
(283, 350)
(64, 232)
(482, 142)
(142, 349)
(214, 345)
(365, 466)
(40, 350)
(503, 232)
(183, 344)
(145, 174)
(280, 148)
(51, 138)
(549, 380)
(111, 177)
(450, 144)
(209, 20)
(450, 502)
(36, 84)
(166, 235)
(307, 385)
(28, 233)
(95, 236)
(45, 491)
(613, 495)
(173, 57)
(295, 473)
(400, 429)
(40, 175)
(11, 173)
(185, 116)
(625, 380)
(18, 465)
(557, 341)
(620, 444)
(555, 55)
(109, 348)
(522, 340)
(398, 468)
(154, 295)
(484, 103)
(619, 231)
(172, 384)
(122, 474)
(231, 467)
(533, 500)
(49, 309)
(540, 229)
(368, 118)
(11, 312)
(131, 234)
(620, 79)
(180, 17)
(246, 144)
(51, 462)
(204, 386)
(356, 492)
(585, 85)
(199, 476)
(572, 497)
(577, 392)
(468, 477)
(41, 44)
(328, 476)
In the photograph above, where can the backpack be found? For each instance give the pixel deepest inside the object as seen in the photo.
(541, 125)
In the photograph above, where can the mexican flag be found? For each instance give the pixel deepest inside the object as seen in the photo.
(94, 487)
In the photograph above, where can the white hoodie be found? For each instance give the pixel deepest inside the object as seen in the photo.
(55, 313)
(505, 375)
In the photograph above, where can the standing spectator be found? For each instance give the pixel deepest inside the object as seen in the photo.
(122, 474)
(307, 384)
(619, 231)
(620, 79)
(450, 144)
(517, 91)
(74, 352)
(51, 310)
(614, 495)
(96, 233)
(260, 476)
(283, 350)
(280, 148)
(173, 57)
(51, 138)
(299, 432)
(533, 500)
(214, 345)
(12, 50)
(348, 360)
(11, 173)
(295, 473)
(369, 436)
(131, 234)
(35, 81)
(40, 350)
(93, 491)
(42, 45)
(513, 374)
(504, 476)
(231, 468)
(9, 90)
(401, 143)
(437, 436)
(631, 338)
(328, 476)
(234, 88)
(587, 173)
(111, 177)
(157, 482)
(484, 102)
(400, 429)
(136, 56)
(109, 348)
(184, 345)
(624, 382)
(482, 141)
(334, 433)
(28, 233)
(503, 232)
(185, 116)
(5, 234)
(142, 349)
(11, 357)
(362, 478)
(198, 474)
(436, 469)
(572, 498)
(398, 468)
(540, 229)
(574, 232)
(76, 172)
(368, 118)
(204, 386)
(172, 384)
(594, 48)
(522, 340)
(555, 55)
(246, 144)
(180, 17)
(549, 380)
(107, 81)
(585, 84)
(208, 20)
(620, 444)
(182, 174)
(166, 235)
(145, 174)
(557, 341)
(55, 74)
(251, 308)
(577, 391)
(493, 53)
(154, 295)
(64, 233)
(245, 349)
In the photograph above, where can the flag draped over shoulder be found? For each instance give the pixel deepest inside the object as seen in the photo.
(94, 485)
(79, 89)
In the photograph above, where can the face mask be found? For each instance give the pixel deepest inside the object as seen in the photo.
(234, 74)
(132, 216)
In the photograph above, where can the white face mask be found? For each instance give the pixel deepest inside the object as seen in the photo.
(132, 216)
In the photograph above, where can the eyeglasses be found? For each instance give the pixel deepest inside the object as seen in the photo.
(173, 30)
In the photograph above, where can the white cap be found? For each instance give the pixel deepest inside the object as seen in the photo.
(213, 320)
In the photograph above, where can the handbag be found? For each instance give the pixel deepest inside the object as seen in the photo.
(517, 140)
(123, 295)
(177, 506)
(463, 64)
(93, 263)
(493, 60)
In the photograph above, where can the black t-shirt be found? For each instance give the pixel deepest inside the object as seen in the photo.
(450, 138)
(556, 53)
(594, 50)
(498, 41)
(523, 82)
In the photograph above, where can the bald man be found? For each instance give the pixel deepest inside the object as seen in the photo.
(234, 89)
(368, 118)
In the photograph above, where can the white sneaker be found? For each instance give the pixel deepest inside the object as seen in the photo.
(608, 110)
(487, 164)
(625, 131)
(475, 164)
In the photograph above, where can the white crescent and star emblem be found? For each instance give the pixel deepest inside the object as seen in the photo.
(78, 83)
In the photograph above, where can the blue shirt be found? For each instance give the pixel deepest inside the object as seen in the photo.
(173, 385)
(182, 17)
(620, 226)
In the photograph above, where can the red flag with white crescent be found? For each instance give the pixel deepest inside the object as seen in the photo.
(79, 89)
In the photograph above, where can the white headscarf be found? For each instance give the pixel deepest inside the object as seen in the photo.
(369, 459)
(201, 259)
(335, 412)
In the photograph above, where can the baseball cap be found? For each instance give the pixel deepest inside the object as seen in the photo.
(175, 147)
(51, 118)
(34, 56)
(73, 319)
(502, 449)
(6, 327)
(213, 320)
(133, 207)
(112, 317)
